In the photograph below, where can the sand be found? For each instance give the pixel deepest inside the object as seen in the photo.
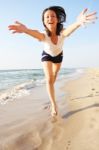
(26, 124)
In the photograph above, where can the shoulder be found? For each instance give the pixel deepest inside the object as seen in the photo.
(42, 35)
(46, 37)
(62, 33)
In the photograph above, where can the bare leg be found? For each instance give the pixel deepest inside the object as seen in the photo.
(51, 71)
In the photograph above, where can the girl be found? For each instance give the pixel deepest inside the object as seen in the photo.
(53, 38)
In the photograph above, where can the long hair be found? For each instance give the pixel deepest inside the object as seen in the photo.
(61, 16)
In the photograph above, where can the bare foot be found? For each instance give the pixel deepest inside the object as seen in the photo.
(54, 111)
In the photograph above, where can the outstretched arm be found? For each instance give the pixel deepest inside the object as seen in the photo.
(21, 28)
(82, 19)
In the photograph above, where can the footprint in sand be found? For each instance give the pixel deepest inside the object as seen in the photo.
(46, 106)
(97, 93)
(92, 123)
(93, 89)
(54, 131)
(57, 133)
(68, 145)
(47, 144)
(97, 110)
(54, 134)
(54, 119)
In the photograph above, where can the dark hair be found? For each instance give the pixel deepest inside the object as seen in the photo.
(61, 16)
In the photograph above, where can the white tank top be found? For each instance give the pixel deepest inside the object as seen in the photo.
(51, 48)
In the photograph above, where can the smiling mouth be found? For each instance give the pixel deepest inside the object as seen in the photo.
(50, 23)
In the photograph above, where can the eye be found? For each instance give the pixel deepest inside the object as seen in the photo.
(53, 16)
(50, 16)
(47, 17)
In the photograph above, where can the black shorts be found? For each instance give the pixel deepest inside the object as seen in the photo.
(54, 59)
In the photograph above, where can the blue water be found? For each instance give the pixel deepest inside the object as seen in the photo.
(10, 78)
(14, 83)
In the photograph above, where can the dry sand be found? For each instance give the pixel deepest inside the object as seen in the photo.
(25, 123)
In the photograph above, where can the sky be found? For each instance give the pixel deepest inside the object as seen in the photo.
(21, 51)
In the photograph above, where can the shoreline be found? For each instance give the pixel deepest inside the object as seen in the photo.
(23, 89)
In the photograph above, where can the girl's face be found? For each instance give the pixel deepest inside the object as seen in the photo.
(50, 20)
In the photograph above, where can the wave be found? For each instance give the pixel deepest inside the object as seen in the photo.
(19, 90)
(25, 88)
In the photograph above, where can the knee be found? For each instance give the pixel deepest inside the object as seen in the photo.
(50, 80)
(55, 73)
(54, 76)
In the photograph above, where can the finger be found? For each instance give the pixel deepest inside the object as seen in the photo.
(14, 32)
(93, 22)
(17, 22)
(84, 11)
(92, 14)
(90, 21)
(9, 26)
(91, 18)
(12, 27)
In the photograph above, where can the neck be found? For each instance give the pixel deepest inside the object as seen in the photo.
(53, 32)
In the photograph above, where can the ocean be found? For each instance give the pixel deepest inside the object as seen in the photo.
(16, 83)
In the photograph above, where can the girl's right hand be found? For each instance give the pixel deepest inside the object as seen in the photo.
(18, 27)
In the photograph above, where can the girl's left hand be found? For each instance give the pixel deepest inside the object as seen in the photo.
(84, 18)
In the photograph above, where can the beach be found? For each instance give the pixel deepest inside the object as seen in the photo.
(26, 123)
